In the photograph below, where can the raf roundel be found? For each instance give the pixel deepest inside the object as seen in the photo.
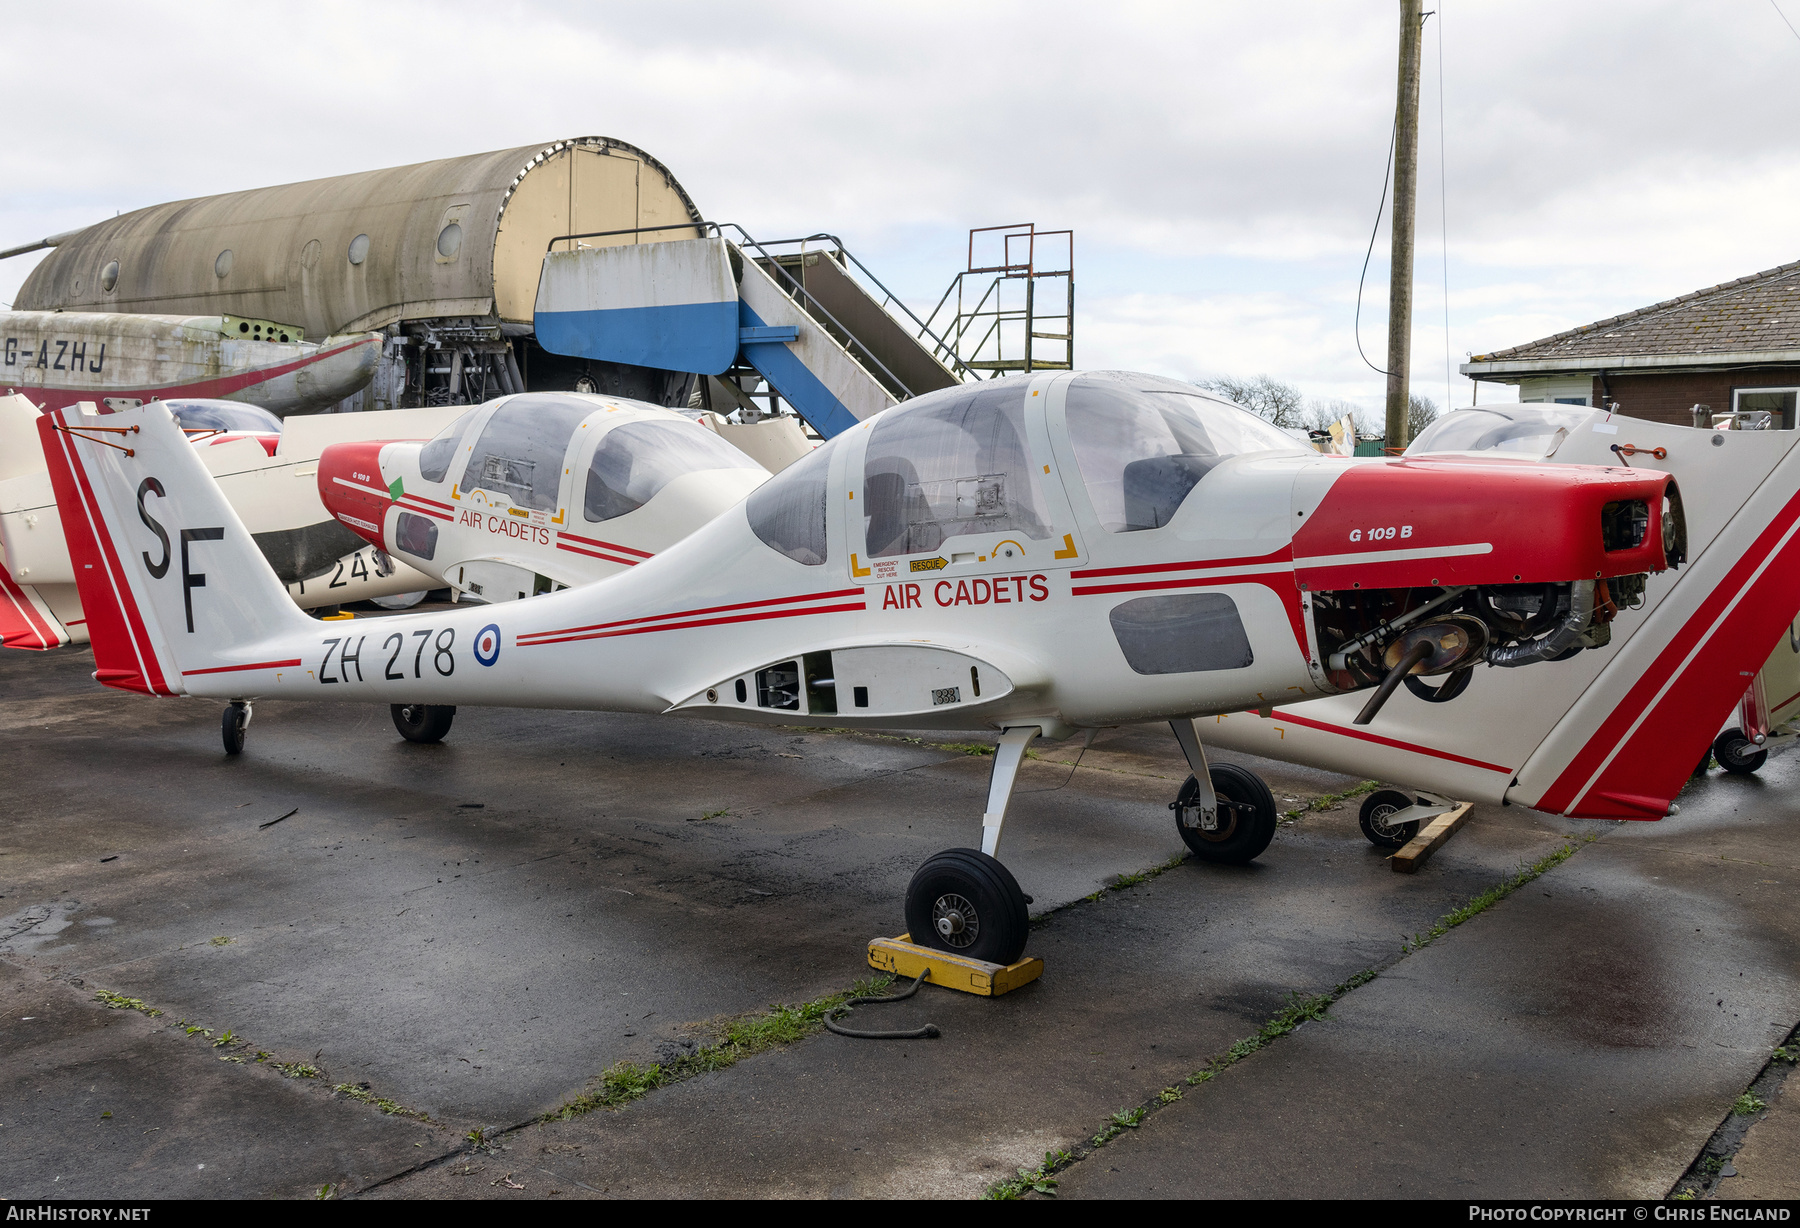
(487, 644)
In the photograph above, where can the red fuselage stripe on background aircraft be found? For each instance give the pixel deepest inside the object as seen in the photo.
(857, 593)
(232, 669)
(1376, 738)
(202, 388)
(34, 622)
(699, 622)
(143, 648)
(596, 554)
(594, 541)
(1590, 763)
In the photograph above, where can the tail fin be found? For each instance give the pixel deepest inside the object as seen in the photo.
(146, 526)
(26, 619)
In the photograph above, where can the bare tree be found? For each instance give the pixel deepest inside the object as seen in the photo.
(1420, 413)
(1267, 398)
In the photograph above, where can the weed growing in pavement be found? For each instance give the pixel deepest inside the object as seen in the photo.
(298, 1070)
(967, 748)
(225, 1038)
(1784, 1054)
(737, 1039)
(1123, 881)
(1747, 1104)
(710, 814)
(1168, 1095)
(119, 1002)
(1038, 1179)
(1492, 896)
(1328, 801)
(222, 941)
(391, 1108)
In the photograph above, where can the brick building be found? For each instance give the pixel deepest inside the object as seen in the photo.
(1731, 347)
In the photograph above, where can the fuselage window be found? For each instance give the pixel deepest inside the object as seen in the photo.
(520, 452)
(415, 535)
(787, 512)
(638, 459)
(1142, 449)
(949, 464)
(435, 456)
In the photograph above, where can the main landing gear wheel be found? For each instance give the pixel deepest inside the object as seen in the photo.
(232, 723)
(423, 722)
(1377, 808)
(1246, 816)
(1738, 754)
(965, 902)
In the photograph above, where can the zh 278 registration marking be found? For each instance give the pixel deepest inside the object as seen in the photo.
(441, 642)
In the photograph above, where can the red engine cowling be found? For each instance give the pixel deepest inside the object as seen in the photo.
(351, 488)
(1449, 521)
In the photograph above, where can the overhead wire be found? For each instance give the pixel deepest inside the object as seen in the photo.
(1444, 211)
(1386, 176)
(1784, 18)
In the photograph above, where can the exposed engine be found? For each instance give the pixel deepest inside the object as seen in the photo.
(1431, 639)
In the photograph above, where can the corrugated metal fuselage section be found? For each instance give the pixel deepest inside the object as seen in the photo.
(461, 238)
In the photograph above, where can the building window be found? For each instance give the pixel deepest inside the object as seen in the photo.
(1764, 409)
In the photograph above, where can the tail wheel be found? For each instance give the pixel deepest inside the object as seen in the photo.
(1739, 754)
(1246, 816)
(423, 722)
(966, 903)
(1377, 808)
(233, 722)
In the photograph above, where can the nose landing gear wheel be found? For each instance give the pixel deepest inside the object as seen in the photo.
(232, 724)
(966, 903)
(423, 722)
(1246, 816)
(1376, 810)
(1738, 754)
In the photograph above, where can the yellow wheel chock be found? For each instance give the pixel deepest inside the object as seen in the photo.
(904, 958)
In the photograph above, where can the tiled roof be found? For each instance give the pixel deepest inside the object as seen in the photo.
(1758, 313)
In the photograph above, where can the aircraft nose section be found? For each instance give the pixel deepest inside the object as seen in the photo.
(352, 489)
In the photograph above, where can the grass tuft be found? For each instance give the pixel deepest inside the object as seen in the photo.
(1747, 1104)
(119, 1002)
(298, 1070)
(390, 1107)
(1328, 801)
(620, 1084)
(1492, 896)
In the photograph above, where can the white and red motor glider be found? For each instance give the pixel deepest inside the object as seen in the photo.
(1033, 556)
(536, 491)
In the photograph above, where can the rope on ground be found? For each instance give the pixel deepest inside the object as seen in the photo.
(928, 1032)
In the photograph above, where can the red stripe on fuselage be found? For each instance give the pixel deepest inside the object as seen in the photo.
(759, 616)
(1376, 738)
(232, 669)
(715, 609)
(1283, 555)
(595, 554)
(594, 541)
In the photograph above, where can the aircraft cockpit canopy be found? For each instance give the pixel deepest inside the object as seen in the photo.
(1522, 430)
(1143, 443)
(520, 451)
(440, 450)
(951, 463)
(211, 415)
(636, 460)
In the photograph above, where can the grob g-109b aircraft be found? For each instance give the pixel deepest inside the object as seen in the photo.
(1036, 555)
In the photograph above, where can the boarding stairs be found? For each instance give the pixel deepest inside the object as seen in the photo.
(794, 320)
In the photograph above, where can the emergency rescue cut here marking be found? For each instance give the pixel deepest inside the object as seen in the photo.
(982, 590)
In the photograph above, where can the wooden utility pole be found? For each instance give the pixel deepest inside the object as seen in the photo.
(1406, 193)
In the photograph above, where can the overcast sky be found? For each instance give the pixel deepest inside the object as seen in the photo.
(1219, 162)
